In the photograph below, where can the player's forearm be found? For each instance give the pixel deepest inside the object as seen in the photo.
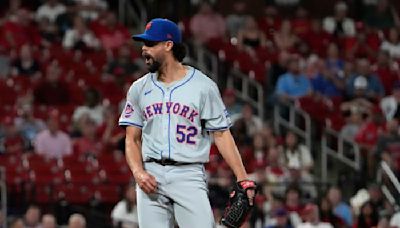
(133, 155)
(227, 148)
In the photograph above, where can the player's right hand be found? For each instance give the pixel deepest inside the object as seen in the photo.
(146, 181)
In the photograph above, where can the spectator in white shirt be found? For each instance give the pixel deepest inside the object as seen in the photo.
(339, 24)
(392, 43)
(124, 213)
(50, 10)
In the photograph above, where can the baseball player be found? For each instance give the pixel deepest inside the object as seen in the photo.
(170, 115)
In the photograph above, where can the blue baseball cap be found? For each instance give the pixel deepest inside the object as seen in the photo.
(160, 29)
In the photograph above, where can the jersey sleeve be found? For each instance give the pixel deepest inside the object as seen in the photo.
(131, 114)
(213, 111)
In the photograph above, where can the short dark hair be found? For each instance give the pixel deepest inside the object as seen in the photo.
(179, 51)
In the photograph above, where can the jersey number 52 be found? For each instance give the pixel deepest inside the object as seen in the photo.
(186, 134)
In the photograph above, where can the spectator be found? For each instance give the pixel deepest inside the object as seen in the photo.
(80, 36)
(392, 43)
(28, 125)
(207, 24)
(26, 65)
(354, 113)
(12, 141)
(76, 221)
(317, 38)
(326, 82)
(123, 67)
(270, 22)
(92, 107)
(18, 30)
(250, 37)
(52, 142)
(340, 208)
(90, 10)
(17, 223)
(124, 213)
(365, 79)
(340, 25)
(284, 38)
(232, 105)
(386, 70)
(388, 144)
(278, 68)
(326, 214)
(275, 171)
(110, 32)
(301, 23)
(296, 155)
(52, 90)
(32, 217)
(237, 17)
(48, 31)
(293, 84)
(50, 10)
(390, 105)
(49, 221)
(293, 204)
(312, 219)
(368, 216)
(88, 144)
(252, 122)
(281, 217)
(359, 47)
(298, 161)
(376, 198)
(113, 137)
(381, 16)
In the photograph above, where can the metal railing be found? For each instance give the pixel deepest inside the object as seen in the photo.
(3, 188)
(132, 11)
(339, 148)
(243, 87)
(206, 62)
(385, 170)
(293, 121)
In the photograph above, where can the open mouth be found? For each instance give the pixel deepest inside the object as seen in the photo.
(148, 58)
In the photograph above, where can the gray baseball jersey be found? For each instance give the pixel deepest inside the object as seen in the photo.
(175, 118)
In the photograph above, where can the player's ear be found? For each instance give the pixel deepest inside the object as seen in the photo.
(169, 45)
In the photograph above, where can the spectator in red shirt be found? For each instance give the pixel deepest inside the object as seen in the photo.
(285, 39)
(301, 23)
(88, 145)
(270, 22)
(51, 90)
(386, 70)
(19, 30)
(12, 141)
(317, 38)
(110, 32)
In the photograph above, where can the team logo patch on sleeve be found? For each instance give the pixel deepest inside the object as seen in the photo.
(128, 110)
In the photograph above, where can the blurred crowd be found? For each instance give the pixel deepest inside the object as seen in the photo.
(65, 67)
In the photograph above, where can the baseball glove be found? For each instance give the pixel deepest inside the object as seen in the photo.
(239, 206)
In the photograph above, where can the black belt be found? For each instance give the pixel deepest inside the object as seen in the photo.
(167, 161)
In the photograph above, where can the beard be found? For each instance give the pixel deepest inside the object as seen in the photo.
(153, 65)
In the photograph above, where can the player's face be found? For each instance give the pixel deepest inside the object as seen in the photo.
(153, 53)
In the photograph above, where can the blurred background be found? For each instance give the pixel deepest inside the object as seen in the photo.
(312, 87)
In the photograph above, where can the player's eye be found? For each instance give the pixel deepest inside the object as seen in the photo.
(148, 43)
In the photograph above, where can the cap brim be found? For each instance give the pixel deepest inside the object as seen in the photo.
(143, 37)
